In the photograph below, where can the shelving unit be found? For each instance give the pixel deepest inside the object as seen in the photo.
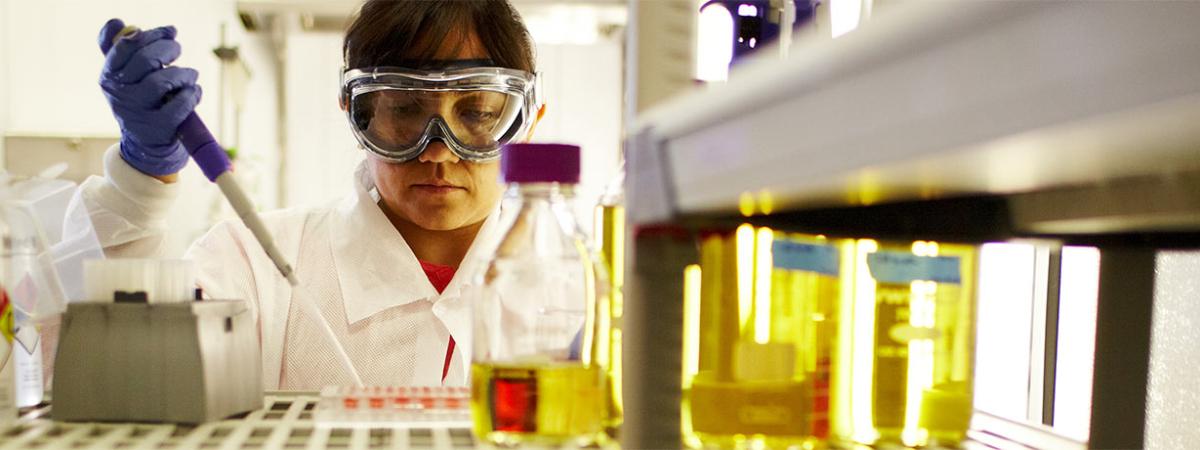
(1068, 122)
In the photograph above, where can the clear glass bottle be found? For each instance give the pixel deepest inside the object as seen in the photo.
(540, 308)
(905, 359)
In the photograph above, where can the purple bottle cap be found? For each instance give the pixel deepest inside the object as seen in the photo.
(540, 163)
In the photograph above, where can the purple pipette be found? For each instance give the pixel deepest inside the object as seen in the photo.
(214, 162)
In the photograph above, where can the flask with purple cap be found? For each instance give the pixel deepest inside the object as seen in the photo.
(540, 307)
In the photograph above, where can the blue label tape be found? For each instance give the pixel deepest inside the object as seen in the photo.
(817, 258)
(900, 267)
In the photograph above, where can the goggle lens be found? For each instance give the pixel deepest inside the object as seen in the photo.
(398, 119)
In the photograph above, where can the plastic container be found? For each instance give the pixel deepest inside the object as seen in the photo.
(44, 254)
(540, 307)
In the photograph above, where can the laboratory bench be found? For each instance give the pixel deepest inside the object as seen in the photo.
(285, 421)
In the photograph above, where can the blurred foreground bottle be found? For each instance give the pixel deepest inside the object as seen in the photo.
(20, 252)
(759, 338)
(904, 372)
(610, 241)
(8, 390)
(541, 313)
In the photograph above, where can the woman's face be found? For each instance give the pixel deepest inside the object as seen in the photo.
(437, 191)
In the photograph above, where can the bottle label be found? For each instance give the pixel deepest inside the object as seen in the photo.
(822, 259)
(901, 267)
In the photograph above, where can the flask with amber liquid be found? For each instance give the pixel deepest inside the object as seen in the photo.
(904, 373)
(760, 324)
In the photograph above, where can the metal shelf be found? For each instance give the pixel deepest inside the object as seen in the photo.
(933, 102)
(970, 121)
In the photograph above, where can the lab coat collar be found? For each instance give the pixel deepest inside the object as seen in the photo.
(376, 268)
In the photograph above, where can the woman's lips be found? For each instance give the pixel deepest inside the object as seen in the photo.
(436, 189)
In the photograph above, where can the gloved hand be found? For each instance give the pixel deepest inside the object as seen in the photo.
(148, 99)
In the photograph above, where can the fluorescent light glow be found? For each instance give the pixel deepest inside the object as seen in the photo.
(1080, 289)
(922, 301)
(747, 10)
(920, 360)
(564, 24)
(844, 16)
(745, 275)
(763, 265)
(863, 342)
(691, 323)
(714, 44)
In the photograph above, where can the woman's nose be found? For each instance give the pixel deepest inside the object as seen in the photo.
(437, 152)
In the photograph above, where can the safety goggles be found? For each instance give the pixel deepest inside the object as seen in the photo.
(395, 112)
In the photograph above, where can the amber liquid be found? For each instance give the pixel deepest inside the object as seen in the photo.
(763, 362)
(553, 404)
(906, 359)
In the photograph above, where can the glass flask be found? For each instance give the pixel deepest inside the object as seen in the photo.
(905, 355)
(540, 313)
(760, 325)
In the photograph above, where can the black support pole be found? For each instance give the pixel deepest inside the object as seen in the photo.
(653, 329)
(1123, 323)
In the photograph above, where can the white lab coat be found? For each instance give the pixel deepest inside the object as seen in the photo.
(348, 256)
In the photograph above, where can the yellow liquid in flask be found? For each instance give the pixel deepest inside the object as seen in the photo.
(551, 404)
(759, 341)
(905, 359)
(610, 233)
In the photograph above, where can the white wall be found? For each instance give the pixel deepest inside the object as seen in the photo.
(260, 146)
(582, 87)
(53, 62)
(4, 69)
(321, 151)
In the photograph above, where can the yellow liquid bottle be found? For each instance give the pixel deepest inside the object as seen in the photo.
(610, 241)
(759, 345)
(540, 310)
(553, 403)
(905, 355)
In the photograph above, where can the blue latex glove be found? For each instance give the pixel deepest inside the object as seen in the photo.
(148, 99)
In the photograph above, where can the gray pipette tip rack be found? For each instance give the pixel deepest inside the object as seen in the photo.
(187, 362)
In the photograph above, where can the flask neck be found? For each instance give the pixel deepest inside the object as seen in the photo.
(543, 191)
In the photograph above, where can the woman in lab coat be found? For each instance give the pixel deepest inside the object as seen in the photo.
(431, 90)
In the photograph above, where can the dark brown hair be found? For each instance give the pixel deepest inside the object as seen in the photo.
(393, 32)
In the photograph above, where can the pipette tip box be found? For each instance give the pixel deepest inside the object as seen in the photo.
(186, 362)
